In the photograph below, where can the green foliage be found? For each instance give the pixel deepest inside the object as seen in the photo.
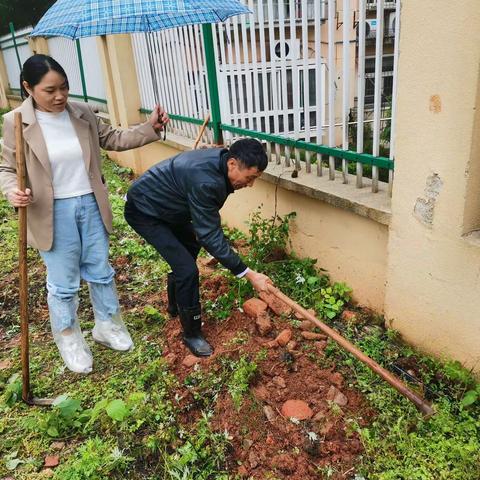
(96, 459)
(242, 373)
(3, 111)
(13, 390)
(22, 13)
(332, 299)
(200, 457)
(268, 237)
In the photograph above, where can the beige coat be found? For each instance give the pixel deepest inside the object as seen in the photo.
(92, 134)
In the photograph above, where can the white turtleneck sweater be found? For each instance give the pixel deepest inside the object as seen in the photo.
(70, 177)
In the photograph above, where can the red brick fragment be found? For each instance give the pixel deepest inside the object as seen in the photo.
(297, 409)
(284, 337)
(278, 307)
(253, 307)
(52, 461)
(313, 336)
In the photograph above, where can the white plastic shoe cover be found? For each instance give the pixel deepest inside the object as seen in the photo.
(113, 334)
(74, 350)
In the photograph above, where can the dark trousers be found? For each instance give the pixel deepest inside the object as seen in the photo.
(178, 245)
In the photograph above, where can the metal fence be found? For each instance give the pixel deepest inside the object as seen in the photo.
(81, 62)
(171, 71)
(315, 80)
(79, 58)
(15, 51)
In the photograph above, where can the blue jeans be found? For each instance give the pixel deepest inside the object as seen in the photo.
(79, 250)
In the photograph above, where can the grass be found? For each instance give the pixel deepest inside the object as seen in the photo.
(125, 419)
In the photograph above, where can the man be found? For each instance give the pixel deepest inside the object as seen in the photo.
(175, 207)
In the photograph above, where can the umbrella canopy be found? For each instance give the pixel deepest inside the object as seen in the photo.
(86, 18)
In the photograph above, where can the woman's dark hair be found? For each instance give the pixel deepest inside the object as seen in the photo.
(35, 68)
(250, 152)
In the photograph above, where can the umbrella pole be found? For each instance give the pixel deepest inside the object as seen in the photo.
(396, 383)
(23, 272)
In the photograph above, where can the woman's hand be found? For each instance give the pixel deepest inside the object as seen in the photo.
(158, 118)
(17, 198)
(258, 280)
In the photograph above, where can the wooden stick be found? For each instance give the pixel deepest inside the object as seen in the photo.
(200, 133)
(22, 259)
(396, 383)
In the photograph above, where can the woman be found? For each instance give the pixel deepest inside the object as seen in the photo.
(69, 215)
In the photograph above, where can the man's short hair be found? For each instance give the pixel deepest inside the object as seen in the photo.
(250, 153)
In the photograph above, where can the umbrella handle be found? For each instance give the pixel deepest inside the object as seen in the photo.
(22, 258)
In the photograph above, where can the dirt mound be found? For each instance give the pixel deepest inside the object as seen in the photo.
(263, 438)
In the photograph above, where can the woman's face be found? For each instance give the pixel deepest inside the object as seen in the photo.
(51, 93)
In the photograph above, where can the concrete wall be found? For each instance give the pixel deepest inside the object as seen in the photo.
(433, 278)
(350, 247)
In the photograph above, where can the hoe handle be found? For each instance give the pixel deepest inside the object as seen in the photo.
(22, 258)
(396, 383)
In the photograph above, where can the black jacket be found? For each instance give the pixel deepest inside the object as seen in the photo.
(190, 187)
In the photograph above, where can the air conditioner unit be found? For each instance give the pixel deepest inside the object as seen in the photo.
(290, 49)
(391, 22)
(371, 28)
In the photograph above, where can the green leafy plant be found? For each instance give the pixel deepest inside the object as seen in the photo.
(201, 456)
(96, 459)
(268, 237)
(238, 384)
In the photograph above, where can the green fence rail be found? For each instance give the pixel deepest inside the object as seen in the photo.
(364, 158)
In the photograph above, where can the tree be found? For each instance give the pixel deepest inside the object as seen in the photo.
(21, 13)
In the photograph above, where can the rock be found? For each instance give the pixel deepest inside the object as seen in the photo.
(319, 417)
(171, 358)
(271, 344)
(242, 471)
(277, 306)
(264, 324)
(51, 461)
(57, 445)
(291, 345)
(269, 413)
(285, 463)
(336, 396)
(297, 409)
(247, 443)
(279, 382)
(253, 307)
(306, 326)
(284, 337)
(4, 364)
(328, 429)
(190, 361)
(261, 393)
(253, 459)
(349, 316)
(313, 336)
(337, 379)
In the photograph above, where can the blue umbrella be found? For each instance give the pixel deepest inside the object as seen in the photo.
(88, 18)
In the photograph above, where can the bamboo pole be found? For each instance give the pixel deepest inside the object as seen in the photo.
(22, 259)
(396, 383)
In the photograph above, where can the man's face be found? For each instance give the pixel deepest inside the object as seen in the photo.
(241, 176)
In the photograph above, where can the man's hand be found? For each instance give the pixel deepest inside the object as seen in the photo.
(159, 118)
(17, 198)
(258, 280)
